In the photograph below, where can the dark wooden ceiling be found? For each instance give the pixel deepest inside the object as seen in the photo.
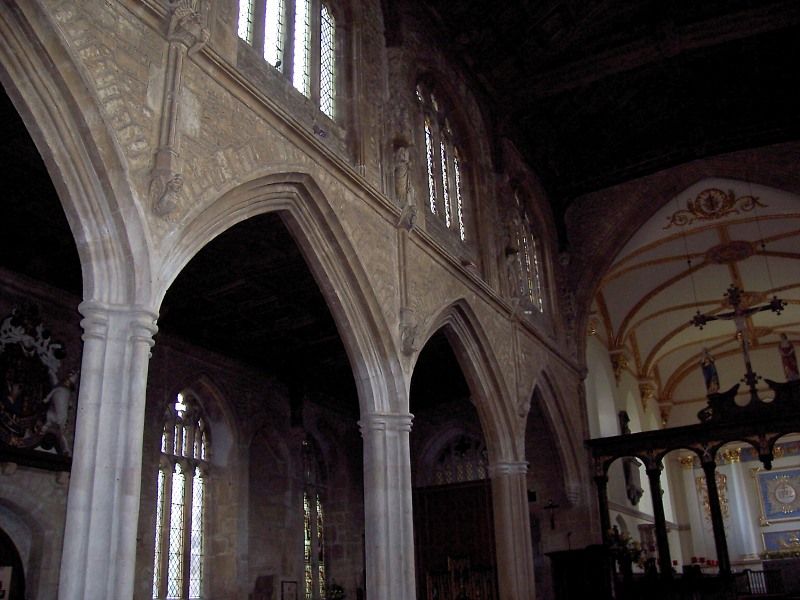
(598, 92)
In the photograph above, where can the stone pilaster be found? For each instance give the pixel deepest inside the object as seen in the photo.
(99, 556)
(512, 530)
(389, 527)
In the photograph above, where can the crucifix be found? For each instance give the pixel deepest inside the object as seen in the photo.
(739, 316)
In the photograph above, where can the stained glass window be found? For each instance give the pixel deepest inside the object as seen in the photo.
(446, 193)
(314, 573)
(309, 26)
(181, 495)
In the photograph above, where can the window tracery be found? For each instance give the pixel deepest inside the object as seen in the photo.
(444, 164)
(310, 61)
(529, 261)
(178, 567)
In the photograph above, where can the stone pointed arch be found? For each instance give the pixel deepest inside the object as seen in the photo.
(482, 373)
(330, 257)
(84, 160)
(552, 407)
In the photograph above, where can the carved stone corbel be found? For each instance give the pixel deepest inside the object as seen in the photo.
(408, 331)
(188, 23)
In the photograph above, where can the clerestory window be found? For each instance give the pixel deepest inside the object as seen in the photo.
(299, 39)
(444, 164)
(529, 261)
(178, 562)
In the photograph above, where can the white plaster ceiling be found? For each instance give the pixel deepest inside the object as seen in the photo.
(669, 269)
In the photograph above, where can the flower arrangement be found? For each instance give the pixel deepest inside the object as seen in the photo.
(335, 592)
(623, 548)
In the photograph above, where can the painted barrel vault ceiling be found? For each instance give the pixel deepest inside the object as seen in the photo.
(682, 261)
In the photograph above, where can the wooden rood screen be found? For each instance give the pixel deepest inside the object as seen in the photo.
(461, 582)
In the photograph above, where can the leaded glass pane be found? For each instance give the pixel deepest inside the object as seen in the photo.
(157, 565)
(273, 33)
(301, 76)
(306, 528)
(196, 541)
(327, 60)
(459, 197)
(429, 156)
(176, 528)
(246, 20)
(445, 185)
(538, 297)
(320, 548)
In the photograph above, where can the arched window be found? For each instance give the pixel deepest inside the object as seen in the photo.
(298, 38)
(314, 568)
(181, 496)
(528, 258)
(444, 163)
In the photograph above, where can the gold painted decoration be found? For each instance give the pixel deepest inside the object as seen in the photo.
(647, 390)
(732, 455)
(722, 490)
(712, 204)
(619, 362)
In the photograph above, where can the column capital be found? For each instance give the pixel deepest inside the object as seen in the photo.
(385, 422)
(500, 468)
(97, 317)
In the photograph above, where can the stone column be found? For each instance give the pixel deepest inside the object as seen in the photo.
(717, 522)
(99, 554)
(389, 527)
(742, 506)
(512, 530)
(662, 541)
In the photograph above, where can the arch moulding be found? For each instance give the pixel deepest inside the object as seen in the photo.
(83, 159)
(331, 258)
(483, 374)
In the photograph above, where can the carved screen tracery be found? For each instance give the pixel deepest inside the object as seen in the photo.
(464, 459)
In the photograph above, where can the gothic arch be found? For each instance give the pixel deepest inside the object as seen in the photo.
(552, 408)
(331, 259)
(83, 158)
(28, 528)
(483, 375)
